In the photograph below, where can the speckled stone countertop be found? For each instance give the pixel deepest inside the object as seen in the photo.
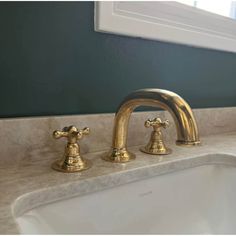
(30, 182)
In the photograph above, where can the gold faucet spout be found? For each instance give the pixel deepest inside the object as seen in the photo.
(187, 131)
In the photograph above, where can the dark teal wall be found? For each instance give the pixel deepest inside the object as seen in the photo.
(52, 62)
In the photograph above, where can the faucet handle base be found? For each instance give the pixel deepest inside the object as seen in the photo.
(156, 151)
(116, 155)
(76, 164)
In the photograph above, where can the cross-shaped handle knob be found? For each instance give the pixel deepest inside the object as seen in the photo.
(156, 123)
(71, 133)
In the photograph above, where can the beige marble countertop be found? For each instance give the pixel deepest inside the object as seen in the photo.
(31, 182)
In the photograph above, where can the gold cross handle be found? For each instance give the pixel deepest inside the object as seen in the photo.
(72, 161)
(156, 123)
(71, 133)
(156, 145)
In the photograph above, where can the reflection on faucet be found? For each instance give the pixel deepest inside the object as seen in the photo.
(187, 132)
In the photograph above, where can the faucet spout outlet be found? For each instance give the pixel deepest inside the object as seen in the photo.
(187, 131)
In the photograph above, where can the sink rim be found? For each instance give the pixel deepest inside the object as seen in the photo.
(78, 188)
(217, 163)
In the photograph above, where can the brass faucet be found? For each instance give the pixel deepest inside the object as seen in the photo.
(71, 161)
(187, 132)
(156, 145)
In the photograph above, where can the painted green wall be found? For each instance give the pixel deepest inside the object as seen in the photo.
(52, 62)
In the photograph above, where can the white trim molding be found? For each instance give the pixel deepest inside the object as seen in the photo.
(166, 21)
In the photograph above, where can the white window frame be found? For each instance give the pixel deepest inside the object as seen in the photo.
(166, 21)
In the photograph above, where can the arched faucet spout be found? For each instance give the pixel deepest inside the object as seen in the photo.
(187, 132)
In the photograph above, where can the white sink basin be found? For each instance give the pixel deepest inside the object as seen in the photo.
(199, 200)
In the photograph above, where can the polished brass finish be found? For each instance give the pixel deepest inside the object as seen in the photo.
(72, 160)
(187, 132)
(156, 145)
